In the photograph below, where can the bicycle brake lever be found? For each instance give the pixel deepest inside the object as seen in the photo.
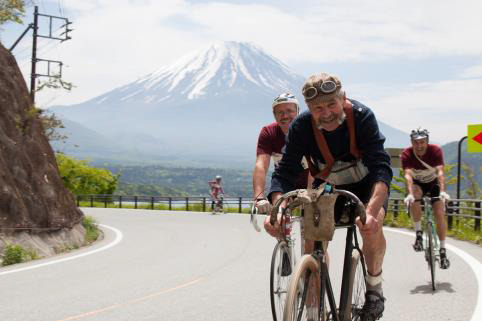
(253, 219)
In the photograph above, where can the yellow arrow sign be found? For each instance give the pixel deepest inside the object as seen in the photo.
(474, 144)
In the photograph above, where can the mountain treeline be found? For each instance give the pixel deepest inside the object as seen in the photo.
(155, 180)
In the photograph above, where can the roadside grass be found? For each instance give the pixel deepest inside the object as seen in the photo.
(15, 253)
(92, 232)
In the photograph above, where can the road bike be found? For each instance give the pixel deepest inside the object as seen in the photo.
(310, 286)
(283, 260)
(431, 242)
(219, 205)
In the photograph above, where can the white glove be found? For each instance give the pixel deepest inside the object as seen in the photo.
(263, 206)
(444, 196)
(409, 200)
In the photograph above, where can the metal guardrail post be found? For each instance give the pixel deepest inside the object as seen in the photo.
(170, 203)
(105, 201)
(120, 201)
(395, 208)
(477, 213)
(91, 200)
(204, 204)
(152, 202)
(135, 202)
(240, 207)
(187, 203)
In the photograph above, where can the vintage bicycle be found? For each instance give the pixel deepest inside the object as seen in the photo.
(310, 286)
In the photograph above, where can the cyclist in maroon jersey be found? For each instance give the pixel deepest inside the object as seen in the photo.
(423, 166)
(270, 144)
(216, 190)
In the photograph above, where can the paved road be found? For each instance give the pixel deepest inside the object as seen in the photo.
(198, 267)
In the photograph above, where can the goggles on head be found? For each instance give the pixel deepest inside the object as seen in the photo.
(326, 87)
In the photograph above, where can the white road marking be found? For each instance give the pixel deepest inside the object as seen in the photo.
(474, 264)
(117, 239)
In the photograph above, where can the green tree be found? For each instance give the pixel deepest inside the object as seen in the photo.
(80, 178)
(11, 10)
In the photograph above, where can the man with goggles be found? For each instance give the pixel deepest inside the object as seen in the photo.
(271, 140)
(423, 167)
(342, 143)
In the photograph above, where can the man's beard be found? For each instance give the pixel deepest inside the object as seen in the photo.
(320, 123)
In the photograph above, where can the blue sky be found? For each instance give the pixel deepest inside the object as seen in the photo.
(415, 63)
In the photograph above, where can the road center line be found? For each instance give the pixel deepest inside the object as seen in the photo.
(119, 305)
(474, 264)
(117, 239)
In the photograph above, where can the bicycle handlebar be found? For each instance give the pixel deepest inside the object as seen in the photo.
(274, 211)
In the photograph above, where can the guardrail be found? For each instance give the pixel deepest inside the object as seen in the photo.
(456, 208)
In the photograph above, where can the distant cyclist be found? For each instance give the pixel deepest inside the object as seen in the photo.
(216, 190)
(271, 141)
(423, 166)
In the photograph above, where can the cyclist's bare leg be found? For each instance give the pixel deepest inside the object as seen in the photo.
(439, 213)
(374, 247)
(415, 208)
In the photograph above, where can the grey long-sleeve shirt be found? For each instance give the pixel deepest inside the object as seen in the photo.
(300, 141)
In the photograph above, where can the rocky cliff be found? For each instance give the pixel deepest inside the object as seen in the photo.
(35, 207)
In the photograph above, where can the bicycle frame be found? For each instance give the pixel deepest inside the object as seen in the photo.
(428, 216)
(326, 286)
(319, 255)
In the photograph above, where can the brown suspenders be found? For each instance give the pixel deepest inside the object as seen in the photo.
(323, 146)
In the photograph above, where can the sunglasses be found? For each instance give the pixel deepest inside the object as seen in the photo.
(326, 87)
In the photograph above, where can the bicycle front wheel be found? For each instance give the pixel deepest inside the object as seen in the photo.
(303, 298)
(356, 287)
(431, 253)
(281, 270)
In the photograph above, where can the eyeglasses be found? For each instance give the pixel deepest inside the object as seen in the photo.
(326, 87)
(285, 112)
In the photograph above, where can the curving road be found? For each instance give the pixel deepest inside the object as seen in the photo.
(170, 266)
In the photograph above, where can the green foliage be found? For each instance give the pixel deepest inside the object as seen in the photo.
(11, 10)
(51, 124)
(80, 178)
(91, 230)
(15, 253)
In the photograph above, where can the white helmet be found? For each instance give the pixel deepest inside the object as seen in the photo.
(218, 177)
(286, 98)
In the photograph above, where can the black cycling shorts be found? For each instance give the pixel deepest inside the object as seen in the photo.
(432, 189)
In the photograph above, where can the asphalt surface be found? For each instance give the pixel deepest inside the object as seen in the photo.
(154, 265)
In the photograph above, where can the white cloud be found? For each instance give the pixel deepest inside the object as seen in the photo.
(116, 41)
(445, 108)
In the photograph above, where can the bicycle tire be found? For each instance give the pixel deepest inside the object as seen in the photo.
(431, 254)
(278, 284)
(356, 287)
(304, 288)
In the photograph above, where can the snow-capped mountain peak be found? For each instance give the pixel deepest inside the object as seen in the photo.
(209, 72)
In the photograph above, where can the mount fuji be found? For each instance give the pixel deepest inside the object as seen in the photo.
(207, 107)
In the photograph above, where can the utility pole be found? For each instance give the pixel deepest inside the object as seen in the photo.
(63, 37)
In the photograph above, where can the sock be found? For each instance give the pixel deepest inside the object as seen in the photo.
(442, 244)
(374, 283)
(418, 226)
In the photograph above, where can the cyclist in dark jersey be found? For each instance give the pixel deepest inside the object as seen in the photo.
(367, 174)
(423, 166)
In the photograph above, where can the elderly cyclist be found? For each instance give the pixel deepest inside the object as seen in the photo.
(271, 140)
(423, 166)
(343, 145)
